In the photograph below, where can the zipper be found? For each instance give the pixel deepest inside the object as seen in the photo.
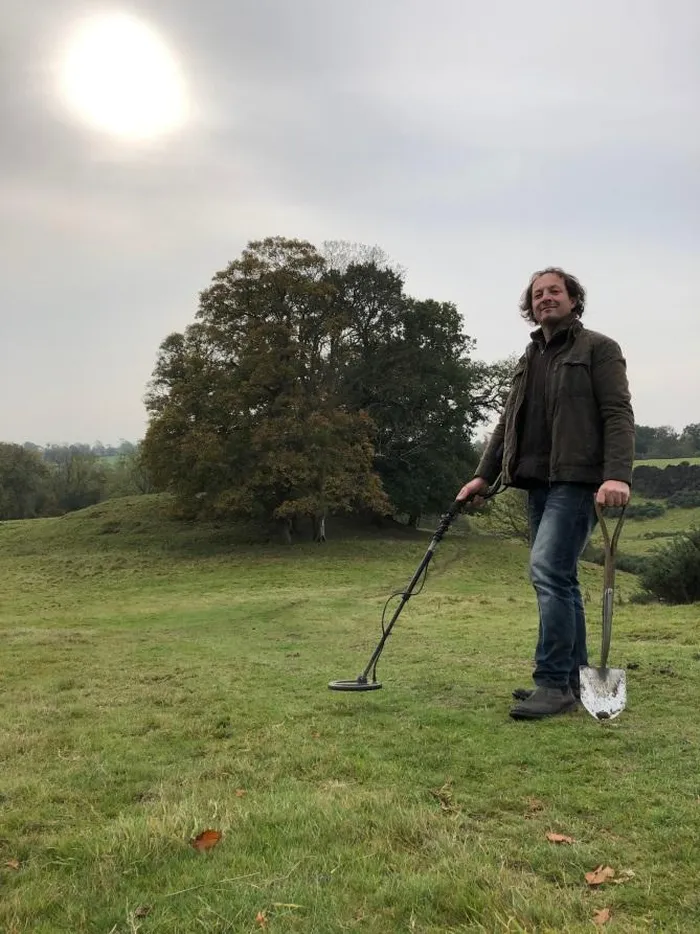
(516, 412)
(567, 344)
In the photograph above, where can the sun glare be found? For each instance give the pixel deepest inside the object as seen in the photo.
(120, 77)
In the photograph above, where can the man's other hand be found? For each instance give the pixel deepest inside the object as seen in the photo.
(473, 488)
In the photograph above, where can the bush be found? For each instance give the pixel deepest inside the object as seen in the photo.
(643, 597)
(674, 478)
(685, 499)
(673, 573)
(638, 511)
(630, 564)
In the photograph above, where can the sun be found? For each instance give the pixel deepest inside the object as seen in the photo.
(119, 76)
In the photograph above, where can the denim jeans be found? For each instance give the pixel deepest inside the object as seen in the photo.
(562, 517)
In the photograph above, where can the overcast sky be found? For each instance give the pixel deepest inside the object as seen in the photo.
(474, 142)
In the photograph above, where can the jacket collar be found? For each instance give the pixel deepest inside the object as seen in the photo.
(570, 327)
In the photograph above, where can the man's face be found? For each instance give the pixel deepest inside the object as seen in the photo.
(550, 300)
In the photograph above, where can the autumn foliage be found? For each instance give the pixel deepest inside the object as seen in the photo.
(302, 391)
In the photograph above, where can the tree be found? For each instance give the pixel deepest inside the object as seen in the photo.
(661, 441)
(506, 515)
(245, 416)
(493, 381)
(307, 386)
(690, 439)
(341, 254)
(76, 476)
(129, 476)
(23, 482)
(644, 439)
(60, 453)
(408, 366)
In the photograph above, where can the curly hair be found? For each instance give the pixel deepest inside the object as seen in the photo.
(574, 290)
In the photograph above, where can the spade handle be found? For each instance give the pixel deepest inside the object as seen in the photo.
(610, 545)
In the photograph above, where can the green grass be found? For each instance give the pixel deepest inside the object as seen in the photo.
(642, 536)
(662, 462)
(159, 678)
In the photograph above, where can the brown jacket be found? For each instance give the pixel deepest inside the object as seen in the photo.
(589, 410)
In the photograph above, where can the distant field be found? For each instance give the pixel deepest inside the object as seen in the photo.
(666, 462)
(638, 536)
(633, 540)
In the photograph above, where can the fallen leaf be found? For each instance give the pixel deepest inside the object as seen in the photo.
(601, 917)
(12, 864)
(559, 838)
(624, 876)
(241, 792)
(142, 911)
(206, 840)
(261, 919)
(600, 875)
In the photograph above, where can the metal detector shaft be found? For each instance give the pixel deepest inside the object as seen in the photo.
(406, 596)
(361, 683)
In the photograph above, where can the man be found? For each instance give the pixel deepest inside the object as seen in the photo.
(566, 436)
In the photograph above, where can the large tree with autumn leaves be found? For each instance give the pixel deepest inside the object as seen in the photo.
(303, 390)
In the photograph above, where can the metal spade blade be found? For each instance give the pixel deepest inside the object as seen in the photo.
(603, 691)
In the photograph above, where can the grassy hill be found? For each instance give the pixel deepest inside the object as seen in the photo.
(662, 462)
(640, 537)
(160, 678)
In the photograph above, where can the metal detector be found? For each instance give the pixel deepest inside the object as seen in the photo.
(361, 682)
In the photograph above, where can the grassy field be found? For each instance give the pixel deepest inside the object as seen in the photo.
(643, 536)
(662, 462)
(160, 679)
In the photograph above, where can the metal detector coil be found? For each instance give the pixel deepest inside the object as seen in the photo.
(357, 685)
(361, 683)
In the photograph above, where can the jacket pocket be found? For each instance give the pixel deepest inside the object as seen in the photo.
(577, 437)
(574, 379)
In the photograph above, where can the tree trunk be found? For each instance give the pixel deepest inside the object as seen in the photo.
(286, 529)
(319, 529)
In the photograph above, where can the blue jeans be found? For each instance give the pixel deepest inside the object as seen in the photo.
(562, 517)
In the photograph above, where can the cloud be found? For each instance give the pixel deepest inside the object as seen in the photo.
(472, 143)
